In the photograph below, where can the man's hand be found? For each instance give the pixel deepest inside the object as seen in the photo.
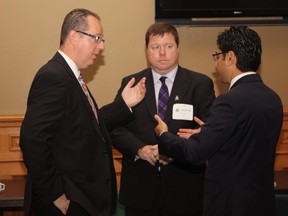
(161, 127)
(62, 203)
(149, 153)
(133, 95)
(165, 160)
(186, 133)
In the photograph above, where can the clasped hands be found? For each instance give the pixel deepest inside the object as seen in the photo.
(151, 155)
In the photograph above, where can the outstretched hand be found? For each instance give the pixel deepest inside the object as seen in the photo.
(161, 127)
(186, 133)
(134, 95)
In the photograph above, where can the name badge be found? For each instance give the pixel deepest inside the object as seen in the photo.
(182, 112)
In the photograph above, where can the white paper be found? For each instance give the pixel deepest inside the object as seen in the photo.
(182, 112)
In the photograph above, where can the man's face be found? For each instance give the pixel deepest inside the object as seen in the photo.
(88, 48)
(221, 67)
(162, 53)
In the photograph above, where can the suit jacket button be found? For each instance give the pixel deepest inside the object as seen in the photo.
(105, 153)
(107, 180)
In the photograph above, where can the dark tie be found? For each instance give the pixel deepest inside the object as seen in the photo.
(163, 98)
(85, 89)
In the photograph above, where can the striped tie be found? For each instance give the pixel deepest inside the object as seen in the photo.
(163, 98)
(85, 89)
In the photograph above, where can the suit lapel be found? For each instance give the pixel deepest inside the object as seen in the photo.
(90, 111)
(150, 100)
(180, 85)
(77, 86)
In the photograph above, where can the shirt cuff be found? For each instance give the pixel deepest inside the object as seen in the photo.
(162, 133)
(137, 156)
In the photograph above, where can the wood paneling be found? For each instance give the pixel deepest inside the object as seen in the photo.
(281, 161)
(11, 162)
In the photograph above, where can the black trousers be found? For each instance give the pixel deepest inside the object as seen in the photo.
(150, 212)
(39, 209)
(157, 209)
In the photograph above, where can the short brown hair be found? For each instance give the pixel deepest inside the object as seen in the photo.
(160, 28)
(76, 20)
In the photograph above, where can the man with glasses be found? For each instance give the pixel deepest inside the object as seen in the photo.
(64, 137)
(150, 184)
(239, 137)
(215, 56)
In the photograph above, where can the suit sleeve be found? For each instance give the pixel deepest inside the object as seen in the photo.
(116, 113)
(199, 148)
(122, 138)
(126, 142)
(46, 106)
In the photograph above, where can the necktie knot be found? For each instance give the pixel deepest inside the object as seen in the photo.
(80, 78)
(83, 84)
(162, 79)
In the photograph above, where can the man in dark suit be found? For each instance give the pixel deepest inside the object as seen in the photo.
(150, 184)
(64, 139)
(239, 137)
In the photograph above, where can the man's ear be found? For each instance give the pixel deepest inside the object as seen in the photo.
(73, 37)
(231, 57)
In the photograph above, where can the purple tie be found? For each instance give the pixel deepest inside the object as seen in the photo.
(163, 98)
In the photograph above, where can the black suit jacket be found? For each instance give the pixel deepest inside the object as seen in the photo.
(181, 184)
(65, 150)
(239, 140)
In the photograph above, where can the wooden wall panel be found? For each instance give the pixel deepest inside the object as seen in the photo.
(11, 161)
(281, 161)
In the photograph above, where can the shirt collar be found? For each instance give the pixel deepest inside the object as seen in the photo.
(71, 64)
(235, 79)
(170, 75)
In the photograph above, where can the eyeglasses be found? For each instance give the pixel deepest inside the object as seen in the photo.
(215, 55)
(97, 38)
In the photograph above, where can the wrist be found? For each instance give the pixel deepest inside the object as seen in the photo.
(137, 156)
(163, 132)
(138, 151)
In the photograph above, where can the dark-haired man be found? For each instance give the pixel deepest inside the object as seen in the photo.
(239, 137)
